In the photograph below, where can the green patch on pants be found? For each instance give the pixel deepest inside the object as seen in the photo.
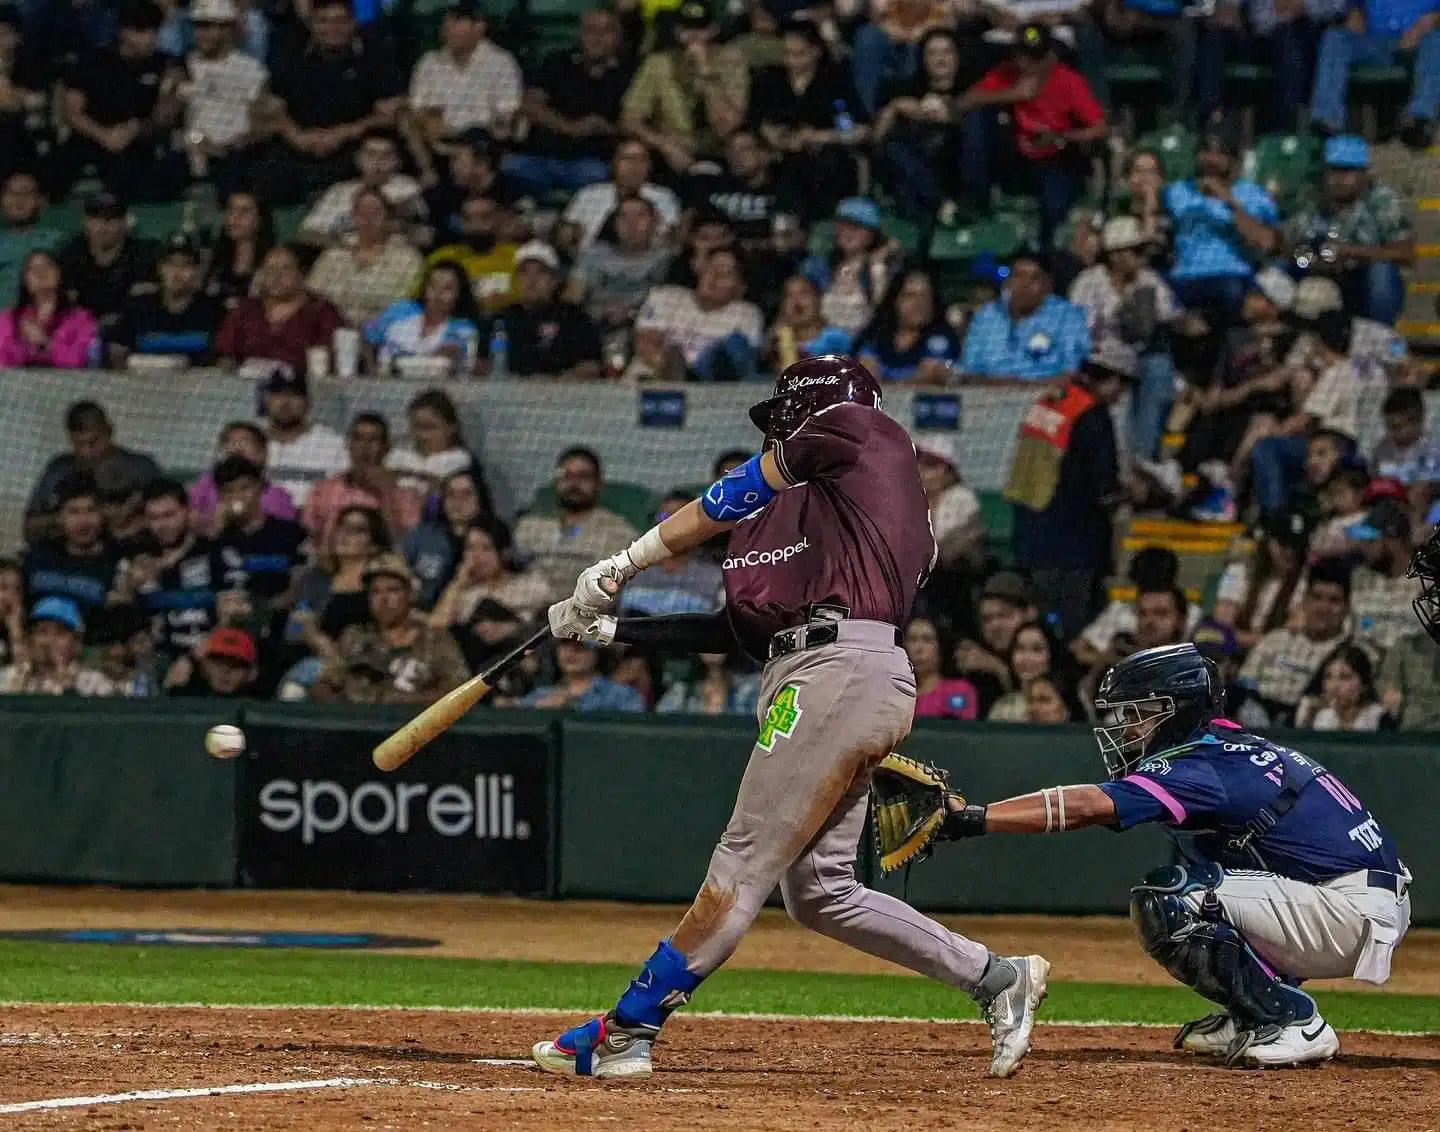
(780, 720)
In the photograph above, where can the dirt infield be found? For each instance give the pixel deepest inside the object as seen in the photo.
(421, 1071)
(1083, 948)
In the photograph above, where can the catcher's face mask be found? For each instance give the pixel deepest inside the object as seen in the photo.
(1427, 604)
(1127, 729)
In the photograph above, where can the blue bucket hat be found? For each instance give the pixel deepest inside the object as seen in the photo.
(1347, 151)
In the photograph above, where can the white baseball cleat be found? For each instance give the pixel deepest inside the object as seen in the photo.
(1016, 988)
(1300, 1043)
(1209, 1035)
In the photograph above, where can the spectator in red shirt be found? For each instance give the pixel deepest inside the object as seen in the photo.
(1055, 116)
(282, 322)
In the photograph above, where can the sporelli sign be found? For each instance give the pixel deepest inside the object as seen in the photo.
(467, 815)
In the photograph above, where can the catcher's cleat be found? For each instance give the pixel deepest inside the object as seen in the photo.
(601, 1047)
(1009, 995)
(1279, 1047)
(908, 800)
(1209, 1035)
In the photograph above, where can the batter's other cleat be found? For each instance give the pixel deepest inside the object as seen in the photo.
(1274, 1047)
(602, 1047)
(1211, 1034)
(1009, 995)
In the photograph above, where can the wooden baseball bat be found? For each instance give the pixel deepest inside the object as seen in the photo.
(398, 749)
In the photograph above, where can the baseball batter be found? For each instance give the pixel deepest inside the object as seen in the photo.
(830, 542)
(1287, 875)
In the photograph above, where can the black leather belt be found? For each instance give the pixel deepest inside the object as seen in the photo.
(810, 636)
(823, 629)
(1390, 882)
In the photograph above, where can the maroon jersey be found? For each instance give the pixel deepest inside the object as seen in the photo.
(853, 531)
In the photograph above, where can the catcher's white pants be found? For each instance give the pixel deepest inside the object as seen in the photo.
(1340, 929)
(801, 810)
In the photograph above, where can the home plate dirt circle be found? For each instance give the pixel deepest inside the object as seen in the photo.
(322, 1070)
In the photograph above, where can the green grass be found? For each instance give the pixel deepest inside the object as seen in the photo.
(40, 972)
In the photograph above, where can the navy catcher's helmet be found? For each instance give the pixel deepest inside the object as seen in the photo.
(1425, 565)
(1155, 700)
(810, 385)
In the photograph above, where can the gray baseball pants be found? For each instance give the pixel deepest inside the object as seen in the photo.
(827, 715)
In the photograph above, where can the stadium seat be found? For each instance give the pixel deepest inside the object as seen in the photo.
(158, 221)
(1394, 75)
(1176, 147)
(288, 221)
(1285, 165)
(1133, 72)
(633, 502)
(998, 518)
(1000, 236)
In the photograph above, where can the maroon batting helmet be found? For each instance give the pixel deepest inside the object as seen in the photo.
(810, 385)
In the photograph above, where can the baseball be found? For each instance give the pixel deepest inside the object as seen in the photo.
(225, 741)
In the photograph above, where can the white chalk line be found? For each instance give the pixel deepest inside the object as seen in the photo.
(712, 1015)
(53, 1103)
(177, 1094)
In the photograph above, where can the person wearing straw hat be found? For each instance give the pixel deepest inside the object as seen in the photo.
(396, 657)
(1129, 306)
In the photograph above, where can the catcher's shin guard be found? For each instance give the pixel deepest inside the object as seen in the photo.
(1202, 950)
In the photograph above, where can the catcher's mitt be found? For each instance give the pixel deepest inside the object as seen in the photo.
(908, 799)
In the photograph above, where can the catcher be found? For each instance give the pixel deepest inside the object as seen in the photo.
(830, 540)
(1287, 875)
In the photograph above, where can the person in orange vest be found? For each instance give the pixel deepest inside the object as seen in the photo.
(1064, 485)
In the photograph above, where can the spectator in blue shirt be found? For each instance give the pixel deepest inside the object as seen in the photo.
(1027, 334)
(1222, 227)
(909, 339)
(1374, 34)
(580, 686)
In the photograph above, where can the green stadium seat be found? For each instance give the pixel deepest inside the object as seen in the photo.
(998, 518)
(158, 221)
(1393, 75)
(1247, 73)
(570, 10)
(1176, 147)
(631, 501)
(1286, 164)
(1000, 236)
(1133, 73)
(288, 221)
(1026, 204)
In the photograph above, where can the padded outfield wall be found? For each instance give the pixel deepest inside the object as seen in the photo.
(547, 805)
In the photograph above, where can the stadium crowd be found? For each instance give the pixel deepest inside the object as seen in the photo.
(687, 195)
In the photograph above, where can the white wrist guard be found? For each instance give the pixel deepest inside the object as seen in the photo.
(602, 630)
(646, 551)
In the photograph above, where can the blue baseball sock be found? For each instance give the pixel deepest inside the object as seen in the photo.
(663, 986)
